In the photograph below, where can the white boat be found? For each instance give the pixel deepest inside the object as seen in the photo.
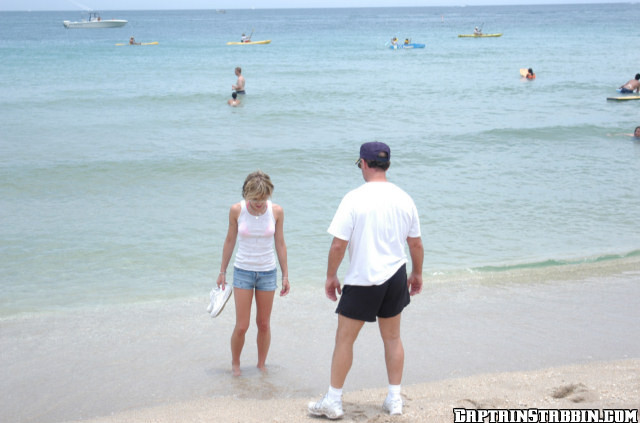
(95, 21)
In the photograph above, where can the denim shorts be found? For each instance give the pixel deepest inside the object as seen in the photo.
(260, 281)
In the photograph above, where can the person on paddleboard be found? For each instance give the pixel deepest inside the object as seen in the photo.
(477, 31)
(631, 85)
(245, 38)
(239, 85)
(132, 41)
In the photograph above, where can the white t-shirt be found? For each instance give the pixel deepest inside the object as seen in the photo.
(255, 240)
(376, 218)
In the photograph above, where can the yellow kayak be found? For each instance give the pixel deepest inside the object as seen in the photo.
(141, 44)
(479, 35)
(240, 43)
(631, 97)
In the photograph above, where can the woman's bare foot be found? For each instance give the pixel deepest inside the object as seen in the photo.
(235, 369)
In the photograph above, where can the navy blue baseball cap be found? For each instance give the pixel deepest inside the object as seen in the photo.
(374, 151)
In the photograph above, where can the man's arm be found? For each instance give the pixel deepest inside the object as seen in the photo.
(416, 250)
(336, 254)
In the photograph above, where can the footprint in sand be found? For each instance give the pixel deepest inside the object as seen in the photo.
(575, 393)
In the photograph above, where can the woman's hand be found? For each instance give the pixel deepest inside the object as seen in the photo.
(221, 280)
(285, 287)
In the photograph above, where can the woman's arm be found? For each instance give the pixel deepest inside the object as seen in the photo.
(229, 243)
(281, 248)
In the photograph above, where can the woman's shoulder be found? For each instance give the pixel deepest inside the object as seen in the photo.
(236, 208)
(277, 209)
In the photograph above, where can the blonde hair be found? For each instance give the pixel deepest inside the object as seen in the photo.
(257, 185)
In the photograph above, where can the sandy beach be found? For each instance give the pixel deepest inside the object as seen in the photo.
(601, 385)
(544, 343)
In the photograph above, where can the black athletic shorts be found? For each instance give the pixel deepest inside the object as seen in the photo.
(366, 302)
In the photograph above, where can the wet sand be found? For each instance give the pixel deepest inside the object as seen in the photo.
(169, 361)
(608, 385)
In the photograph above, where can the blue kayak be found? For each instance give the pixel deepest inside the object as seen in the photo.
(412, 45)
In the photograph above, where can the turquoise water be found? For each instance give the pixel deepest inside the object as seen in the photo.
(119, 163)
(118, 166)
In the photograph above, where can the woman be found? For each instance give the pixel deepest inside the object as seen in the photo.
(530, 74)
(257, 224)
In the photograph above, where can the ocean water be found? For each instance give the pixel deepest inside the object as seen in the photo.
(118, 165)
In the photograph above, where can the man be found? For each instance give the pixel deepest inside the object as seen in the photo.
(239, 86)
(374, 221)
(631, 86)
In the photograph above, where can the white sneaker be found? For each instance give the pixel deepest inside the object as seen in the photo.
(324, 407)
(219, 298)
(393, 406)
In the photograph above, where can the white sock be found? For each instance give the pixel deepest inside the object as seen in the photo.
(394, 391)
(334, 395)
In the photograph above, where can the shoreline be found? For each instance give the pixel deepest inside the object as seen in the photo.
(585, 268)
(171, 356)
(597, 385)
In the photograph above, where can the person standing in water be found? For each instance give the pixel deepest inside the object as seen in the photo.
(257, 224)
(233, 101)
(239, 85)
(530, 74)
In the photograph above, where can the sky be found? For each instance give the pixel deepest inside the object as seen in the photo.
(26, 5)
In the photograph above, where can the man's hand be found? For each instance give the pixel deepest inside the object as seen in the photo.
(331, 287)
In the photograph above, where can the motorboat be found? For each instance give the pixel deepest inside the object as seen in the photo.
(95, 21)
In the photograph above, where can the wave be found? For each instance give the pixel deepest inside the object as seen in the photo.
(557, 262)
(606, 267)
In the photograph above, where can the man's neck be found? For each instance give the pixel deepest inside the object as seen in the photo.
(375, 176)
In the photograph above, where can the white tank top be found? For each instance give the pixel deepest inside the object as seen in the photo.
(255, 240)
